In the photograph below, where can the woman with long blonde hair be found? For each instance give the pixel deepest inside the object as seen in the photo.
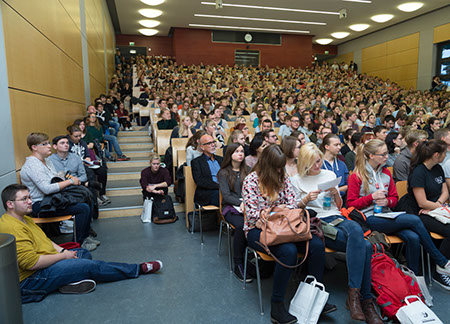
(266, 187)
(349, 237)
(372, 190)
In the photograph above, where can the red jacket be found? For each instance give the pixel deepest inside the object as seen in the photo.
(361, 202)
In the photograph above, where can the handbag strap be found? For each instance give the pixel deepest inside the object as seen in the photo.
(266, 248)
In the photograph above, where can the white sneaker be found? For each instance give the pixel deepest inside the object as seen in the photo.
(445, 270)
(131, 128)
(127, 129)
(88, 246)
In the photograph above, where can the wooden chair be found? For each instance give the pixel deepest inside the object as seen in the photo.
(143, 112)
(247, 118)
(181, 157)
(402, 188)
(219, 152)
(178, 144)
(434, 236)
(57, 219)
(191, 205)
(162, 140)
(391, 170)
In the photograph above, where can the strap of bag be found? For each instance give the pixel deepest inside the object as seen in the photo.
(266, 248)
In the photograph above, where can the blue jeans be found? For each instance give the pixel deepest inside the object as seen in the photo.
(41, 283)
(114, 143)
(287, 253)
(114, 125)
(350, 239)
(412, 231)
(82, 213)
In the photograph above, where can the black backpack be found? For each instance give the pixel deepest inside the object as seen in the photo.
(163, 211)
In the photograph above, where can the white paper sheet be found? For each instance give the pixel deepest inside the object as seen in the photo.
(391, 215)
(329, 184)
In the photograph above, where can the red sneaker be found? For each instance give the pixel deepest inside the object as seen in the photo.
(123, 158)
(151, 267)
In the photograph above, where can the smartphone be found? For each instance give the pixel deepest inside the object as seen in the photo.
(336, 222)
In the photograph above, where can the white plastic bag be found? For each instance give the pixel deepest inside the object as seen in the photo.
(416, 312)
(309, 301)
(146, 215)
(422, 285)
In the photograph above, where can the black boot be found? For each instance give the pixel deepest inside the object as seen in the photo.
(279, 314)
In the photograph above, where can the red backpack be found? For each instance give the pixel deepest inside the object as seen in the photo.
(391, 285)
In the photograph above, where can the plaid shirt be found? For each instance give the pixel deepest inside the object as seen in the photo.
(254, 201)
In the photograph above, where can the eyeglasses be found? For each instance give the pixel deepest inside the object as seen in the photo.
(24, 199)
(295, 121)
(44, 144)
(209, 143)
(383, 154)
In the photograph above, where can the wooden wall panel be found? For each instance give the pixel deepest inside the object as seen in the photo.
(407, 57)
(396, 60)
(347, 58)
(441, 33)
(96, 67)
(96, 88)
(73, 9)
(36, 113)
(36, 64)
(45, 18)
(402, 44)
(374, 51)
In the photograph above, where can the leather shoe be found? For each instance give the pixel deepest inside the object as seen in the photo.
(279, 314)
(353, 303)
(370, 312)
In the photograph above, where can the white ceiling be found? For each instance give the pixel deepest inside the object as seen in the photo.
(180, 13)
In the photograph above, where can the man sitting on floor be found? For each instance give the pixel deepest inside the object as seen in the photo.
(45, 266)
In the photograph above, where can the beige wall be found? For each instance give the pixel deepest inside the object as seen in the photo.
(45, 64)
(396, 60)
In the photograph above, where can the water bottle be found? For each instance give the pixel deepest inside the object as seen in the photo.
(377, 209)
(327, 201)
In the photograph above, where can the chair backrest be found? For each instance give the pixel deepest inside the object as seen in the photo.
(144, 112)
(181, 157)
(190, 191)
(227, 132)
(402, 188)
(391, 170)
(219, 152)
(247, 118)
(177, 145)
(163, 140)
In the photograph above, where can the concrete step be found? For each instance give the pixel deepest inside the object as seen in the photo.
(134, 139)
(132, 133)
(113, 176)
(130, 187)
(137, 154)
(133, 163)
(136, 146)
(122, 206)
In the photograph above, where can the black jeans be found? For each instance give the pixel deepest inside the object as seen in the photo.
(100, 175)
(436, 226)
(239, 242)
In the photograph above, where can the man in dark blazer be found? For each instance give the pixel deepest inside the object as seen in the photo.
(204, 172)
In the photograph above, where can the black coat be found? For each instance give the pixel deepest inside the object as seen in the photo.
(203, 178)
(67, 196)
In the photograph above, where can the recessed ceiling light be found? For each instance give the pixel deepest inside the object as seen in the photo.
(359, 27)
(324, 41)
(153, 2)
(150, 13)
(410, 6)
(148, 32)
(132, 51)
(149, 23)
(262, 19)
(382, 18)
(340, 35)
(271, 8)
(252, 28)
(361, 1)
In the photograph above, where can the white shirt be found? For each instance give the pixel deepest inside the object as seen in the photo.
(304, 185)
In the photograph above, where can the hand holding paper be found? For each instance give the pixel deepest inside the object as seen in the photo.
(329, 184)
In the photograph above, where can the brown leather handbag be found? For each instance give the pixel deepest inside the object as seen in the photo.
(283, 225)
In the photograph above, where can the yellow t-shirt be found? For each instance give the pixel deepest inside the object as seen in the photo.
(31, 242)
